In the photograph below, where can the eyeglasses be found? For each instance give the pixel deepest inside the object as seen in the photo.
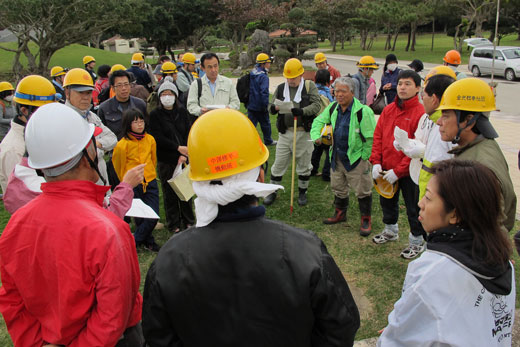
(122, 85)
(138, 121)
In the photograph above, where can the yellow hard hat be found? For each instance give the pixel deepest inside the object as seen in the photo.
(88, 59)
(34, 90)
(440, 70)
(116, 67)
(452, 57)
(292, 68)
(78, 77)
(188, 58)
(367, 61)
(168, 67)
(326, 134)
(263, 58)
(5, 86)
(223, 143)
(384, 188)
(57, 71)
(137, 58)
(468, 94)
(319, 58)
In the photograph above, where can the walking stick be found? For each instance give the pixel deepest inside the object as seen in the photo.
(293, 162)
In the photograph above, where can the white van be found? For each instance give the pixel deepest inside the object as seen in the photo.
(507, 61)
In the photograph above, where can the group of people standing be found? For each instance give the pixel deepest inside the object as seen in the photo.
(227, 275)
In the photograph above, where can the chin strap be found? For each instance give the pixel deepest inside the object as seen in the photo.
(94, 163)
(469, 123)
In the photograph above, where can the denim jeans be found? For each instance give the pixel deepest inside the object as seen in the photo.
(145, 226)
(262, 117)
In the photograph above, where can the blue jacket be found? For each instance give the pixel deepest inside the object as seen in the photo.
(258, 89)
(141, 76)
(390, 77)
(325, 91)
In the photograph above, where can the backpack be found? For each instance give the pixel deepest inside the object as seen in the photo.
(359, 118)
(243, 84)
(152, 102)
(104, 95)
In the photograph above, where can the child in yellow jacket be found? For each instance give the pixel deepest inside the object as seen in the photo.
(138, 147)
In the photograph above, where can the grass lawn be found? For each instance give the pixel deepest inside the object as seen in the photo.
(442, 43)
(377, 270)
(70, 56)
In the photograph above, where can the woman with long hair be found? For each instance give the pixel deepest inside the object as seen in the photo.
(461, 291)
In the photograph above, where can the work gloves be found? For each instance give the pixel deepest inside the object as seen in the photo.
(376, 171)
(390, 177)
(415, 149)
(297, 112)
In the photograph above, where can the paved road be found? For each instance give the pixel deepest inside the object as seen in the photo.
(508, 93)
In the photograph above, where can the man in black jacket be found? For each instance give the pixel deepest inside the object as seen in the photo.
(111, 111)
(238, 278)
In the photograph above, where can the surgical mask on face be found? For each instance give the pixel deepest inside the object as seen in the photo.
(168, 100)
(9, 98)
(391, 67)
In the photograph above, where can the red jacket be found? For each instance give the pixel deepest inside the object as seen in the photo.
(334, 73)
(405, 117)
(70, 274)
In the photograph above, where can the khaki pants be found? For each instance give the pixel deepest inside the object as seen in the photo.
(304, 148)
(359, 179)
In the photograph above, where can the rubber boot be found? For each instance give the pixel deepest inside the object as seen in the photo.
(268, 200)
(302, 197)
(365, 209)
(340, 214)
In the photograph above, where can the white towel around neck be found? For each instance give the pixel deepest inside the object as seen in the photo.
(297, 96)
(209, 196)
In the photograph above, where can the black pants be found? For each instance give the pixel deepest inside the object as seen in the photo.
(177, 212)
(132, 337)
(316, 157)
(390, 207)
(113, 180)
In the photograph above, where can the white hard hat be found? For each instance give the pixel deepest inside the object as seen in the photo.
(55, 134)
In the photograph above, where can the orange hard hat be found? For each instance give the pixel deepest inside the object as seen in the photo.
(452, 57)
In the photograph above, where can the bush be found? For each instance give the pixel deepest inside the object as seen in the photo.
(234, 58)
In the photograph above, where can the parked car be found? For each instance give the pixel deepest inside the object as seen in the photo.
(507, 61)
(478, 41)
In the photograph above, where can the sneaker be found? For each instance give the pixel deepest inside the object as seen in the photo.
(412, 251)
(272, 143)
(385, 236)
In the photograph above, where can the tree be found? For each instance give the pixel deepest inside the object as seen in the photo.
(293, 44)
(421, 14)
(54, 24)
(236, 14)
(168, 23)
(332, 16)
(509, 17)
(475, 12)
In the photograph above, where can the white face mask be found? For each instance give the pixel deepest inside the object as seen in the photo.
(9, 98)
(168, 100)
(391, 67)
